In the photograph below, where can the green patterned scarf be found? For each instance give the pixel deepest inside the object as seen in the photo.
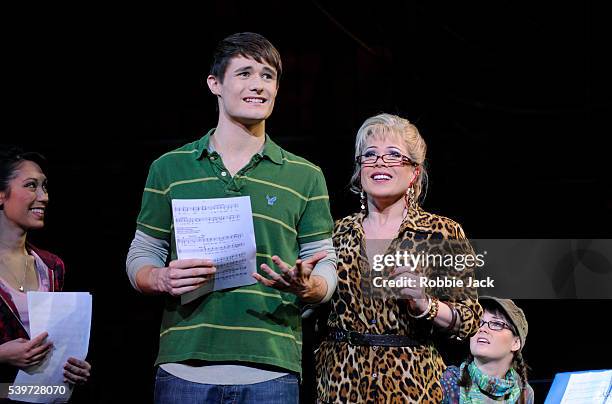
(507, 389)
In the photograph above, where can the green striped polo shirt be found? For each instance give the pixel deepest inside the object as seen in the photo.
(290, 206)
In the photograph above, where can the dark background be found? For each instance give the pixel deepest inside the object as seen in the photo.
(508, 95)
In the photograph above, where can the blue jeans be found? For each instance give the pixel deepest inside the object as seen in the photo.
(170, 389)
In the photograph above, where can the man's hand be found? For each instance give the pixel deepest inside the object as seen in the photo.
(23, 353)
(182, 276)
(296, 280)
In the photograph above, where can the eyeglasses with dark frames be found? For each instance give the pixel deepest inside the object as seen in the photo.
(371, 158)
(496, 325)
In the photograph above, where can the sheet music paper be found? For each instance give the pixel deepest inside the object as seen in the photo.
(66, 317)
(220, 229)
(590, 387)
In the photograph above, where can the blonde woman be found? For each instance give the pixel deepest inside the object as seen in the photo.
(379, 349)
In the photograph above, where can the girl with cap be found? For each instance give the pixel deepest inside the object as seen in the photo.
(494, 372)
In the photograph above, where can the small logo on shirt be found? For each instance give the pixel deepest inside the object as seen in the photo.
(271, 200)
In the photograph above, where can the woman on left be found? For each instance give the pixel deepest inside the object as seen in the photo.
(23, 267)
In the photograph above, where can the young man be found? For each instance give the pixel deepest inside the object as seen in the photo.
(243, 342)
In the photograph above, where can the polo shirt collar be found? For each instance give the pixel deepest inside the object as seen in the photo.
(202, 145)
(270, 150)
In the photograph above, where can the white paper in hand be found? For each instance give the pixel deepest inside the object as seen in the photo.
(220, 229)
(66, 317)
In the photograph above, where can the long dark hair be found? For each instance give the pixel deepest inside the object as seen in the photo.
(10, 159)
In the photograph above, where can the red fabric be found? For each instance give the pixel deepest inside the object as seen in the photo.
(10, 325)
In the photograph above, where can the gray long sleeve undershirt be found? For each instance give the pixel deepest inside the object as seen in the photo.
(147, 250)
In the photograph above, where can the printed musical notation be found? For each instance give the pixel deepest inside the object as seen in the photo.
(213, 209)
(204, 246)
(219, 229)
(208, 220)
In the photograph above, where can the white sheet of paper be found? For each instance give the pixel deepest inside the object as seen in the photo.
(590, 387)
(220, 229)
(66, 316)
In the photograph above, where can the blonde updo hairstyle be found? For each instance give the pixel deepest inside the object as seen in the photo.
(383, 126)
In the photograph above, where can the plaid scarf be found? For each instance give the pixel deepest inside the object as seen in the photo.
(506, 389)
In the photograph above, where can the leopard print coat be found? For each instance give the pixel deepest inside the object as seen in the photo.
(370, 374)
